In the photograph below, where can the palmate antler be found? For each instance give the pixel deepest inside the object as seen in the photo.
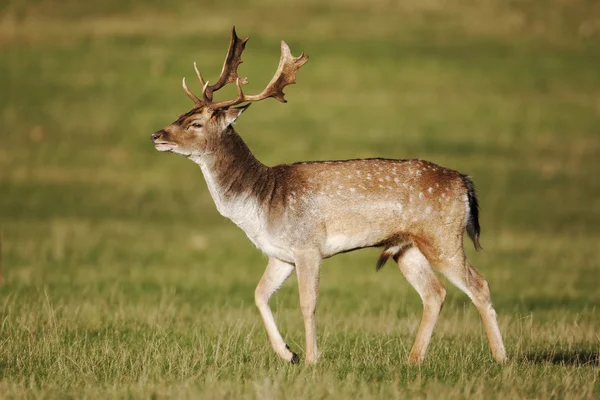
(285, 75)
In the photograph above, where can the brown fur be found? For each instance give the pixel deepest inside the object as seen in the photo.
(298, 214)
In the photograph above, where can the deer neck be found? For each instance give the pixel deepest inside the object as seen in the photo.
(235, 178)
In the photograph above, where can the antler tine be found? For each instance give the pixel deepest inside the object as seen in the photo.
(232, 61)
(189, 93)
(200, 78)
(285, 75)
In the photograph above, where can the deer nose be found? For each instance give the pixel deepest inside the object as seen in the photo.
(156, 135)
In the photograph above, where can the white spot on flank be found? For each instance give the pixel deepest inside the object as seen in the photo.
(310, 179)
(338, 192)
(396, 180)
(387, 178)
(340, 186)
(400, 207)
(430, 190)
(443, 194)
(350, 176)
(428, 210)
(420, 195)
(380, 179)
(357, 172)
(352, 190)
(418, 172)
(411, 187)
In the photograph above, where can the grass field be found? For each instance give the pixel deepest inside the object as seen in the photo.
(122, 280)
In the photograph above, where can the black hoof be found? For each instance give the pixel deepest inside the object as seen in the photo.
(295, 359)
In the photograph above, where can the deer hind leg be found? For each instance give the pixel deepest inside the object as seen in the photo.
(275, 275)
(460, 272)
(421, 276)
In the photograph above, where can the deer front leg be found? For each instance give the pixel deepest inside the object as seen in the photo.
(307, 269)
(275, 275)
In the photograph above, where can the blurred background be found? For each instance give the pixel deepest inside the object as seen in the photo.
(99, 228)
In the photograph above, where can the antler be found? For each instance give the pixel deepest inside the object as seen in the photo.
(228, 72)
(285, 75)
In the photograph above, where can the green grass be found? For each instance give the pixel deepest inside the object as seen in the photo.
(121, 279)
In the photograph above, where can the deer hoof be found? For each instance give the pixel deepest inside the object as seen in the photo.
(295, 359)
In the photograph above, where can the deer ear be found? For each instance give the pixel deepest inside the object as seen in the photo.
(233, 113)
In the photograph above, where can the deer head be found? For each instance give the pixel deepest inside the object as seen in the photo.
(195, 131)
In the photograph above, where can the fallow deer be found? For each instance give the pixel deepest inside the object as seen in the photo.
(299, 214)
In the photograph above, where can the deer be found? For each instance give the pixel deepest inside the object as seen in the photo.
(302, 213)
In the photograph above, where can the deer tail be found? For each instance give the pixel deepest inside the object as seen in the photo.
(472, 227)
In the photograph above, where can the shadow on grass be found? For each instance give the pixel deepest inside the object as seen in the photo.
(569, 357)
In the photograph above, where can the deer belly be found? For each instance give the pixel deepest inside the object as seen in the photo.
(341, 242)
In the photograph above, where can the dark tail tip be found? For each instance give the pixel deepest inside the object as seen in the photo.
(382, 260)
(473, 228)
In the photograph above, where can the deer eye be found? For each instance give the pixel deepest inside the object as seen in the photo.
(197, 125)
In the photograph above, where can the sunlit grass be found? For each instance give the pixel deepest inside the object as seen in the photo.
(122, 280)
